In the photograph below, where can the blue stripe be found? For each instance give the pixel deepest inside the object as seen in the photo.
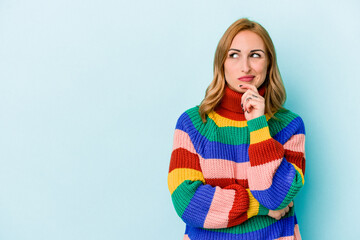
(272, 197)
(282, 228)
(236, 153)
(296, 126)
(208, 149)
(195, 213)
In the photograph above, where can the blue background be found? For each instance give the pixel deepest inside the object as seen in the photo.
(90, 92)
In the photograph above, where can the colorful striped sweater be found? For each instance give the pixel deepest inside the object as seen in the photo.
(227, 173)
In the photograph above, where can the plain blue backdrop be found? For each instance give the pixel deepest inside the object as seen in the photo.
(90, 92)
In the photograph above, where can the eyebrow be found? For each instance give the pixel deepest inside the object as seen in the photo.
(237, 50)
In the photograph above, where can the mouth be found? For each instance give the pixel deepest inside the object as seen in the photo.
(248, 78)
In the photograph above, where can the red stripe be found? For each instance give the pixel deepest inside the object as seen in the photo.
(265, 151)
(182, 158)
(220, 182)
(224, 182)
(230, 114)
(238, 213)
(243, 182)
(240, 219)
(297, 158)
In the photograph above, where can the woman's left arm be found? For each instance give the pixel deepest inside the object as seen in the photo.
(276, 172)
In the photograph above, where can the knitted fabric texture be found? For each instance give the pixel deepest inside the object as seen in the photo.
(227, 173)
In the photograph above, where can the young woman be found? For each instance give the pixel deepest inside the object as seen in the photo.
(238, 159)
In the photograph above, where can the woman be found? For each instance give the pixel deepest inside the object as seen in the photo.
(238, 159)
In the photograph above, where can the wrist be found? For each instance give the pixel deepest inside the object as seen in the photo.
(255, 208)
(259, 129)
(249, 117)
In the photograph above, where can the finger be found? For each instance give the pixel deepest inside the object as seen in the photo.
(254, 100)
(277, 216)
(246, 94)
(250, 93)
(249, 104)
(287, 209)
(283, 213)
(248, 86)
(291, 204)
(252, 103)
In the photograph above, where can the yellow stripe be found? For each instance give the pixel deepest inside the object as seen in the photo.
(253, 205)
(221, 121)
(260, 135)
(179, 175)
(300, 171)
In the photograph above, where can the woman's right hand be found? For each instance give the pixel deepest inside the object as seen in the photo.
(278, 214)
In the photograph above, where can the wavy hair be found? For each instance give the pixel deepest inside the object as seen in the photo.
(275, 94)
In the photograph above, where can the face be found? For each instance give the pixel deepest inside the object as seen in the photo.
(246, 57)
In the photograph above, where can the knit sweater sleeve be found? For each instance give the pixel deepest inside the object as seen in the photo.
(276, 172)
(199, 204)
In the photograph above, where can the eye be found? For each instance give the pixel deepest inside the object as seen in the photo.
(256, 55)
(234, 55)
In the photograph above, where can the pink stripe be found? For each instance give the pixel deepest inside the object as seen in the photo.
(286, 238)
(220, 168)
(186, 237)
(296, 143)
(182, 140)
(297, 232)
(218, 215)
(261, 176)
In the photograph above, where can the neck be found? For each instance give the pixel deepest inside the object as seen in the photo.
(230, 105)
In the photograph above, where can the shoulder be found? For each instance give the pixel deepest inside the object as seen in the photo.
(289, 120)
(190, 117)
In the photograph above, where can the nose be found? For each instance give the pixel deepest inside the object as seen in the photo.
(245, 65)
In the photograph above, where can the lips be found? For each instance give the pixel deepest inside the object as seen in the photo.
(247, 78)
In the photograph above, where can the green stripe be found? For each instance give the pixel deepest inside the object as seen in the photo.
(253, 224)
(285, 117)
(227, 135)
(235, 135)
(257, 123)
(263, 210)
(183, 194)
(294, 189)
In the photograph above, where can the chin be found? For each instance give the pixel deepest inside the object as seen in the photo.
(238, 89)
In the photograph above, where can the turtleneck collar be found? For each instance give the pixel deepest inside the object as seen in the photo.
(230, 105)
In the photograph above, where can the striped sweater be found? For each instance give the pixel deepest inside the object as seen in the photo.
(227, 173)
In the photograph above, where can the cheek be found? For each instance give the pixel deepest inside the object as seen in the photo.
(260, 67)
(228, 67)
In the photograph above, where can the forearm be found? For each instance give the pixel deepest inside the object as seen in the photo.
(274, 177)
(200, 204)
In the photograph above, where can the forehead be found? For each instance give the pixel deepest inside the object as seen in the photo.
(247, 40)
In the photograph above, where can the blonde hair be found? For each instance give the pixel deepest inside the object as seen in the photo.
(275, 95)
